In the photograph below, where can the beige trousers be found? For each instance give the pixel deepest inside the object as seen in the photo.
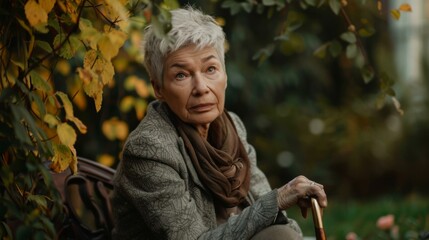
(278, 232)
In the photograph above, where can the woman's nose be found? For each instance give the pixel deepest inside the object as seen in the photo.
(200, 85)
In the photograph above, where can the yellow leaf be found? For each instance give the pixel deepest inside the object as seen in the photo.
(107, 48)
(130, 82)
(63, 67)
(106, 70)
(89, 34)
(142, 89)
(405, 7)
(79, 124)
(73, 163)
(115, 10)
(69, 7)
(61, 159)
(94, 89)
(89, 59)
(115, 129)
(51, 120)
(120, 64)
(140, 107)
(66, 134)
(117, 37)
(98, 100)
(35, 108)
(126, 103)
(395, 13)
(35, 13)
(68, 106)
(110, 43)
(220, 21)
(47, 5)
(86, 75)
(106, 159)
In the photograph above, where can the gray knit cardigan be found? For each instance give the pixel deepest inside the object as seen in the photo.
(157, 193)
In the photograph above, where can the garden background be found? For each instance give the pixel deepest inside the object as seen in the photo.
(333, 90)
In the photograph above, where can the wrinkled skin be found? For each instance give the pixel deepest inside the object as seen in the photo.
(298, 191)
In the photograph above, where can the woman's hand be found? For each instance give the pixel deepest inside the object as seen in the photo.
(298, 192)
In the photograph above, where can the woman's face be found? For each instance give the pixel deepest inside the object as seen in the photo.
(194, 85)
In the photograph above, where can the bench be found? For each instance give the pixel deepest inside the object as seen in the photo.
(86, 201)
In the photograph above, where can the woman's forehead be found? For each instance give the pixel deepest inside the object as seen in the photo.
(191, 54)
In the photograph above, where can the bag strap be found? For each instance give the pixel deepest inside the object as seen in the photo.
(86, 195)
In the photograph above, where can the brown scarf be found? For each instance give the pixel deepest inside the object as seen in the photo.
(221, 161)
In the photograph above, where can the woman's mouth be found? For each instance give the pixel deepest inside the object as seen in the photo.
(202, 107)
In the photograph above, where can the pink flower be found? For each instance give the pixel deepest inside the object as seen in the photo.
(386, 222)
(351, 236)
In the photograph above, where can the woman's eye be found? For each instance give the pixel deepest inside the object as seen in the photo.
(211, 69)
(180, 76)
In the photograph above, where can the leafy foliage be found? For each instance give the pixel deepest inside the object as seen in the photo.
(39, 128)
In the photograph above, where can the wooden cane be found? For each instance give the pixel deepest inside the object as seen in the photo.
(317, 220)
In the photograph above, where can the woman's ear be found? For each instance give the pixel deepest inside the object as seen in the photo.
(157, 90)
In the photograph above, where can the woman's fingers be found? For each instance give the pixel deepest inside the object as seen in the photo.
(298, 191)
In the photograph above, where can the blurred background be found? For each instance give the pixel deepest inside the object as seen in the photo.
(306, 113)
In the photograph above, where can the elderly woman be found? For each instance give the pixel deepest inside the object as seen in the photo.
(188, 171)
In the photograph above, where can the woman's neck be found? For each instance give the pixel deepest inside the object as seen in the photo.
(203, 130)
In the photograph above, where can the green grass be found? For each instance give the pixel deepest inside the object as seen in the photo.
(341, 217)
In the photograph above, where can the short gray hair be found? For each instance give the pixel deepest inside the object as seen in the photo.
(189, 26)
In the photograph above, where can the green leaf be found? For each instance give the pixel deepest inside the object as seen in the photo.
(335, 48)
(366, 32)
(351, 51)
(19, 128)
(40, 200)
(53, 22)
(311, 2)
(380, 101)
(303, 5)
(23, 232)
(39, 83)
(359, 60)
(390, 92)
(269, 2)
(263, 54)
(34, 97)
(348, 37)
(247, 6)
(233, 6)
(335, 6)
(320, 52)
(367, 74)
(69, 46)
(8, 234)
(21, 115)
(48, 226)
(321, 2)
(44, 45)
